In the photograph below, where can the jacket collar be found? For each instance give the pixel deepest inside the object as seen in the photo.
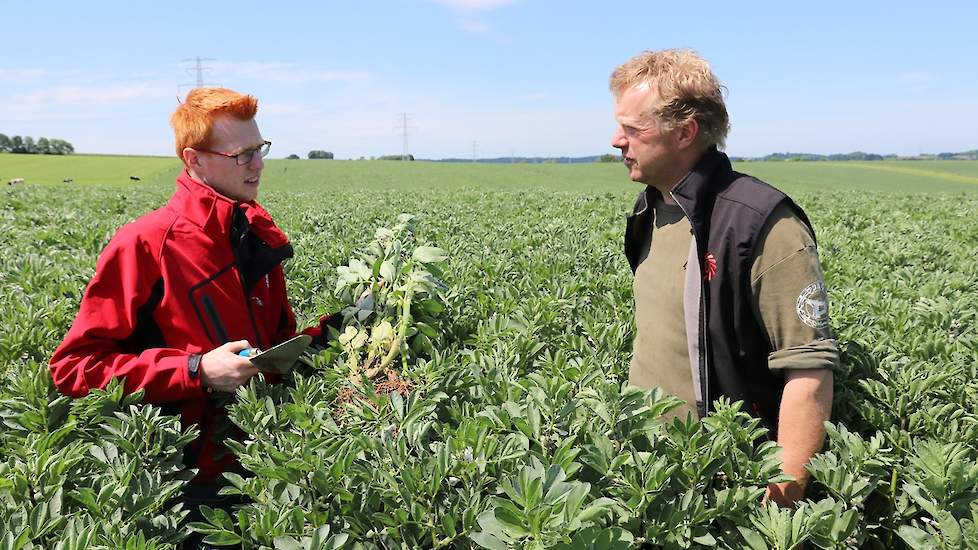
(214, 213)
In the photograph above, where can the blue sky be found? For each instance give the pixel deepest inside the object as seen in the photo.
(523, 77)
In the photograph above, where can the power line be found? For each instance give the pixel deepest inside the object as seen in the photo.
(404, 128)
(197, 69)
(475, 144)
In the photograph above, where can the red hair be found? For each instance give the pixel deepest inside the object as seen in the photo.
(194, 118)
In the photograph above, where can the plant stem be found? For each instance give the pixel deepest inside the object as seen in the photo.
(397, 346)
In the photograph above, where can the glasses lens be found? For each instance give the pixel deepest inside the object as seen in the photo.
(247, 156)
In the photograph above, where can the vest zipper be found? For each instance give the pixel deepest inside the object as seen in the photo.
(701, 321)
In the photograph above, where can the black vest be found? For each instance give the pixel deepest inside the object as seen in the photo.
(727, 211)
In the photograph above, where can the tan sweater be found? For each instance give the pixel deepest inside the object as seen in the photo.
(789, 299)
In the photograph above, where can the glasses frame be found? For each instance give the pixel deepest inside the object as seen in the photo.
(262, 150)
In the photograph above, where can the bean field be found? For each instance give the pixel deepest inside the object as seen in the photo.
(512, 427)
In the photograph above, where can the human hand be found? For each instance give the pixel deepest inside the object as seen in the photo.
(785, 494)
(223, 370)
(368, 294)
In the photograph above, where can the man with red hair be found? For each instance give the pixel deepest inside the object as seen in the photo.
(180, 291)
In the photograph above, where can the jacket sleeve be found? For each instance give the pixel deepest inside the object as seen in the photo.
(320, 333)
(114, 309)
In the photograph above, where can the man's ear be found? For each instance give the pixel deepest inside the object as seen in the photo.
(689, 133)
(190, 157)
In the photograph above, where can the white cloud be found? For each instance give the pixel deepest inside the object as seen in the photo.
(916, 78)
(876, 125)
(91, 94)
(17, 113)
(22, 74)
(443, 126)
(281, 109)
(536, 96)
(474, 5)
(473, 25)
(284, 73)
(918, 82)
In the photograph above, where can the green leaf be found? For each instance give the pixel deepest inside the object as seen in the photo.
(428, 254)
(223, 538)
(287, 543)
(917, 538)
(387, 271)
(488, 541)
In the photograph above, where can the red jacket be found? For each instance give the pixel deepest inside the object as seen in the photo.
(181, 280)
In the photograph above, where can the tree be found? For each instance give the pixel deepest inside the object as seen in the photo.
(293, 156)
(63, 148)
(43, 146)
(608, 157)
(319, 154)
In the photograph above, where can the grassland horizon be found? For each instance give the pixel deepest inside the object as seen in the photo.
(937, 176)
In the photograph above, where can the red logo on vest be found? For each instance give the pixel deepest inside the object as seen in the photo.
(709, 266)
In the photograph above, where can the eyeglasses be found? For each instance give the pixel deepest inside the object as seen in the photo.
(244, 157)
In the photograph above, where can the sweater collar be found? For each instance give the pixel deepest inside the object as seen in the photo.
(214, 213)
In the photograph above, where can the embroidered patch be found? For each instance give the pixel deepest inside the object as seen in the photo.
(813, 306)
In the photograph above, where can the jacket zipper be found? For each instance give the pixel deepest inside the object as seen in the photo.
(259, 342)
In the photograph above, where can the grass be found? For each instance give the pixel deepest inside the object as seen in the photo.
(85, 169)
(792, 177)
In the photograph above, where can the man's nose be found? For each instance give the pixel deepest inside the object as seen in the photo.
(618, 139)
(257, 162)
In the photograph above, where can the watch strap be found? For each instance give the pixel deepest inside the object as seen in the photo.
(193, 365)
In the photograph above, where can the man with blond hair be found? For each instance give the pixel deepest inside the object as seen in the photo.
(180, 291)
(729, 295)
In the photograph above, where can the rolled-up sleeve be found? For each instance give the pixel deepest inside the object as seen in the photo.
(790, 296)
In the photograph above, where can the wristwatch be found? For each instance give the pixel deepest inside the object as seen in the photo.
(193, 366)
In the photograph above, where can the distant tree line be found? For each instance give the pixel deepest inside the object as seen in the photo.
(964, 155)
(395, 157)
(607, 157)
(27, 145)
(859, 155)
(321, 155)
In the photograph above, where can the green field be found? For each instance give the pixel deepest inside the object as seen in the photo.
(518, 432)
(792, 177)
(84, 169)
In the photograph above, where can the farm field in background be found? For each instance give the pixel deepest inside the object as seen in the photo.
(517, 432)
(83, 169)
(890, 176)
